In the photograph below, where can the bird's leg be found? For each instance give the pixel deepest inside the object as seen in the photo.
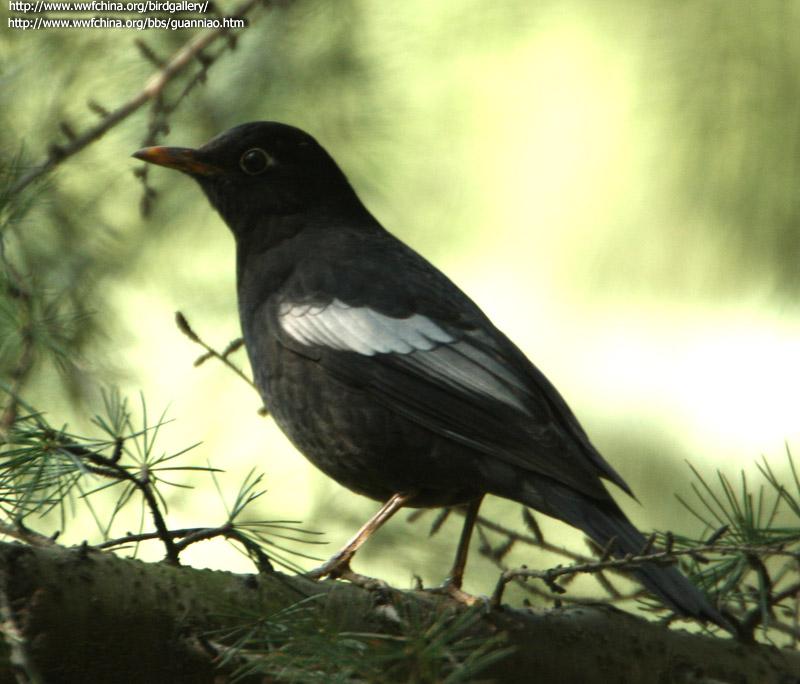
(339, 564)
(452, 585)
(456, 575)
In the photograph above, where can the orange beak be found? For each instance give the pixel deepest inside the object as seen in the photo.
(181, 158)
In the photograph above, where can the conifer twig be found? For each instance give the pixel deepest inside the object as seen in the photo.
(155, 85)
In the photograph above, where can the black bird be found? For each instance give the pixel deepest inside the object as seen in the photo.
(382, 371)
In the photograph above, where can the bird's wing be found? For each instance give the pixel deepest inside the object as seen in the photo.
(429, 353)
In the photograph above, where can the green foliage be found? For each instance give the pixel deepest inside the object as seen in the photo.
(304, 644)
(45, 469)
(265, 535)
(755, 540)
(44, 312)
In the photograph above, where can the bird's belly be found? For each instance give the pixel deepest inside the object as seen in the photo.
(362, 444)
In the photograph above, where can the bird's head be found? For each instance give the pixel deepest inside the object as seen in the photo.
(258, 171)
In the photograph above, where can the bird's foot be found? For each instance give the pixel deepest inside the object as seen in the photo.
(334, 567)
(453, 589)
(365, 582)
(338, 567)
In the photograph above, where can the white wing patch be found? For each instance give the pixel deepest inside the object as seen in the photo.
(462, 365)
(365, 331)
(359, 329)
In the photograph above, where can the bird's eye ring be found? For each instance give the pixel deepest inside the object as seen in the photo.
(255, 161)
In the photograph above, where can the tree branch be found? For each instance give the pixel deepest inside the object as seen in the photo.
(155, 85)
(144, 623)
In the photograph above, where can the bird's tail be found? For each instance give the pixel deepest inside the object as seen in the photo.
(603, 520)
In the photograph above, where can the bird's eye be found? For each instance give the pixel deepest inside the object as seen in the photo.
(255, 161)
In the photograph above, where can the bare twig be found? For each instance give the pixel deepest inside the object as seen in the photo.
(25, 361)
(229, 531)
(629, 561)
(439, 520)
(615, 596)
(759, 615)
(193, 535)
(603, 561)
(145, 536)
(531, 541)
(538, 541)
(26, 535)
(108, 467)
(211, 353)
(155, 85)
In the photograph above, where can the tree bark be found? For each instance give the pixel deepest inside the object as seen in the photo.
(79, 615)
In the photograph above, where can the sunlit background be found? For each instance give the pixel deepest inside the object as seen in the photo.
(615, 183)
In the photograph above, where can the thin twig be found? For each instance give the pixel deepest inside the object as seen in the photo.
(108, 467)
(628, 561)
(193, 535)
(537, 541)
(211, 353)
(145, 536)
(531, 541)
(24, 534)
(229, 531)
(25, 361)
(759, 614)
(615, 596)
(152, 89)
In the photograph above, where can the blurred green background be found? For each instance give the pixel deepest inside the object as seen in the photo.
(615, 183)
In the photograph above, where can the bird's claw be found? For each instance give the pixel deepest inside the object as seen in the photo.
(335, 567)
(363, 581)
(339, 568)
(453, 589)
